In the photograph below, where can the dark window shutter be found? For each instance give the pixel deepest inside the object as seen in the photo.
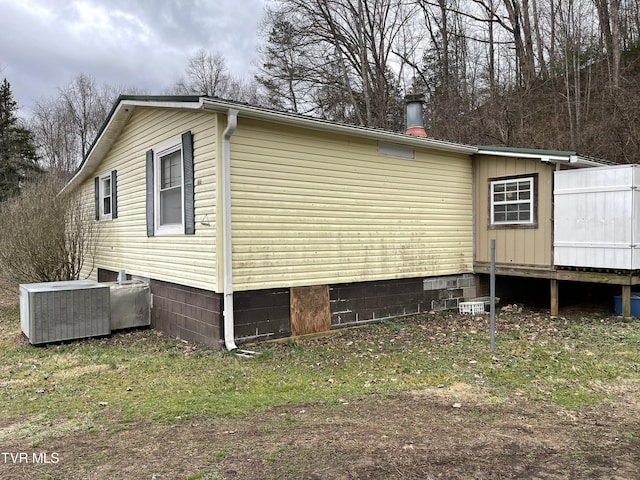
(96, 184)
(150, 198)
(114, 194)
(189, 199)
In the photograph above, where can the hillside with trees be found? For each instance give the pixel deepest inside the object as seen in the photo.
(555, 74)
(600, 121)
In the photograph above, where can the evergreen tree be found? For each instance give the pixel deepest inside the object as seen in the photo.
(18, 158)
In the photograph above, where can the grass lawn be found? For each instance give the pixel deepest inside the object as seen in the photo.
(420, 397)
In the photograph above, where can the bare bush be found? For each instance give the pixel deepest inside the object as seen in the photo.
(44, 236)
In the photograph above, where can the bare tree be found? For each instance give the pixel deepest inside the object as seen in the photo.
(243, 89)
(572, 37)
(447, 74)
(66, 125)
(206, 74)
(87, 106)
(535, 14)
(610, 24)
(56, 137)
(45, 236)
(341, 62)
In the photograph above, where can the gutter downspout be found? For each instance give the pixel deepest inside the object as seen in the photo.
(227, 244)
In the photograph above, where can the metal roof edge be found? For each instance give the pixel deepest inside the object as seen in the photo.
(295, 119)
(158, 102)
(162, 98)
(553, 156)
(525, 151)
(592, 161)
(542, 156)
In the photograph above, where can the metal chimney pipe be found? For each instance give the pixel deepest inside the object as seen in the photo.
(414, 115)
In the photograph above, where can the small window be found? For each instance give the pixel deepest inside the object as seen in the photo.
(168, 190)
(106, 196)
(105, 193)
(512, 201)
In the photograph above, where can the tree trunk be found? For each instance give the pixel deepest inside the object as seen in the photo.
(609, 19)
(616, 43)
(539, 43)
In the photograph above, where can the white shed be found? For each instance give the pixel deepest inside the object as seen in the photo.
(595, 218)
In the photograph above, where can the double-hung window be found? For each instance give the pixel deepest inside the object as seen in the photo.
(105, 193)
(512, 201)
(170, 188)
(105, 197)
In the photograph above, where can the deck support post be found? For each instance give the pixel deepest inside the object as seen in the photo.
(554, 298)
(626, 301)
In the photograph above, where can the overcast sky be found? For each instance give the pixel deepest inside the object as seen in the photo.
(44, 44)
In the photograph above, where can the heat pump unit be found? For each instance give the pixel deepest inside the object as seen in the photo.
(57, 311)
(130, 304)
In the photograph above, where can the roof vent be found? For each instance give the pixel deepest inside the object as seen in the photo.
(414, 109)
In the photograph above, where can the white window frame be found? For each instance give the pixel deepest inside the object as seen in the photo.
(102, 195)
(159, 153)
(531, 201)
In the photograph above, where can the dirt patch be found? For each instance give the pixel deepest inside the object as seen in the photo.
(451, 433)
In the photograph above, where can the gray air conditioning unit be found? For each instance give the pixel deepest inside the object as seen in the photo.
(57, 311)
(130, 304)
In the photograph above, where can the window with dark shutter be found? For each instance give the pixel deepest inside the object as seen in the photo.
(105, 186)
(170, 188)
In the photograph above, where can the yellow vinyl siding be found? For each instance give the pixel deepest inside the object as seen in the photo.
(183, 259)
(514, 246)
(314, 208)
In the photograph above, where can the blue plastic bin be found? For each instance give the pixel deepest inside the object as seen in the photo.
(635, 304)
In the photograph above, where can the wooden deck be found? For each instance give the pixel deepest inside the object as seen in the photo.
(625, 278)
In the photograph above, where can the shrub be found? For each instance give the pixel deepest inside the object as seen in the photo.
(45, 236)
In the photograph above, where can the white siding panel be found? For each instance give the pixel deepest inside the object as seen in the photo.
(312, 208)
(595, 213)
(184, 259)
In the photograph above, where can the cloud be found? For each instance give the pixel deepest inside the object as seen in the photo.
(44, 44)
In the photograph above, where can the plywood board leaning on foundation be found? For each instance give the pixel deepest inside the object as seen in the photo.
(310, 312)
